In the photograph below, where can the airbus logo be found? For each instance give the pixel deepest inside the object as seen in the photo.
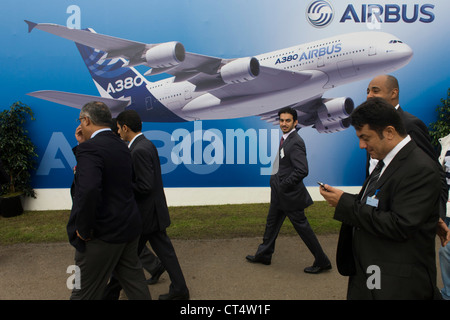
(320, 13)
(389, 13)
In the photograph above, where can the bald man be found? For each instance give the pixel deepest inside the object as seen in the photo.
(386, 87)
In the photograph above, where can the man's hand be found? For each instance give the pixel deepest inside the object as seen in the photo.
(79, 236)
(443, 232)
(331, 195)
(79, 135)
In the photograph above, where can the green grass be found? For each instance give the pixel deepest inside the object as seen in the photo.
(196, 222)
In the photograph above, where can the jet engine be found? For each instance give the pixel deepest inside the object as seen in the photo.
(240, 70)
(335, 109)
(165, 55)
(330, 127)
(333, 115)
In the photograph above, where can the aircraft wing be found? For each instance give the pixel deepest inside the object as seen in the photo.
(192, 65)
(134, 51)
(205, 72)
(76, 100)
(306, 111)
(117, 46)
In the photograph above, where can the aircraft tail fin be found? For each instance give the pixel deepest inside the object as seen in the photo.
(112, 78)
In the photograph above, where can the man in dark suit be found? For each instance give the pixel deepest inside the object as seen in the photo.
(387, 87)
(289, 196)
(151, 200)
(389, 252)
(104, 224)
(149, 261)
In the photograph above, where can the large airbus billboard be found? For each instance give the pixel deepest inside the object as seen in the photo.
(208, 77)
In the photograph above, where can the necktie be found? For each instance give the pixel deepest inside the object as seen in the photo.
(373, 178)
(281, 141)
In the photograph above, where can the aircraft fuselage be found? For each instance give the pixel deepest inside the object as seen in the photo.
(332, 62)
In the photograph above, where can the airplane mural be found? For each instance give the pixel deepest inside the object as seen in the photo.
(204, 87)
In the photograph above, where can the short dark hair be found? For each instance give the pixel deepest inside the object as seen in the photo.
(131, 119)
(378, 114)
(288, 110)
(98, 112)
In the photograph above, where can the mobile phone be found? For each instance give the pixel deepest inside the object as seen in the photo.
(322, 185)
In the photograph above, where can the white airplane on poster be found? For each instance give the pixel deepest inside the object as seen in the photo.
(204, 87)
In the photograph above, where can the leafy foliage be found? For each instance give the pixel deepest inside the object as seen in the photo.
(17, 151)
(441, 127)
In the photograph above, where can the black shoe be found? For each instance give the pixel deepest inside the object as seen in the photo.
(175, 296)
(317, 269)
(155, 277)
(255, 259)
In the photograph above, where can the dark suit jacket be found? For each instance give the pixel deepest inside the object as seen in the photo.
(399, 235)
(148, 185)
(103, 203)
(418, 132)
(290, 168)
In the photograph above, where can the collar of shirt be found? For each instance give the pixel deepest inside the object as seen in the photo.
(387, 160)
(287, 134)
(131, 142)
(98, 131)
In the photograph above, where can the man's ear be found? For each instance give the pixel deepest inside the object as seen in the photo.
(389, 132)
(87, 121)
(394, 94)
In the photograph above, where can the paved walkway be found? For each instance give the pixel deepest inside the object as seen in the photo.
(214, 270)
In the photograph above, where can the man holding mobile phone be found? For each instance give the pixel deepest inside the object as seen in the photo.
(391, 223)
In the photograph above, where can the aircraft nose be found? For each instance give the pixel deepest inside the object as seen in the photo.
(400, 55)
(406, 51)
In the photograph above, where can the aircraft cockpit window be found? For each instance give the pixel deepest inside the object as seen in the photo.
(395, 41)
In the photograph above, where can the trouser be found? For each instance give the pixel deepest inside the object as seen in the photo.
(149, 261)
(163, 248)
(100, 260)
(275, 220)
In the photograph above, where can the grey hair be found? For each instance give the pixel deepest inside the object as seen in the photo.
(98, 112)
